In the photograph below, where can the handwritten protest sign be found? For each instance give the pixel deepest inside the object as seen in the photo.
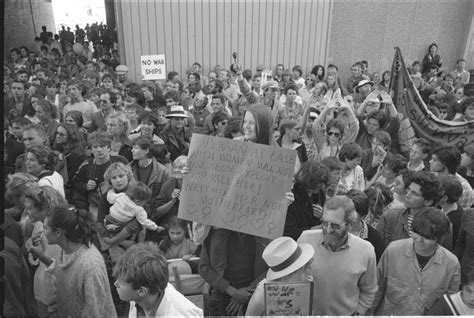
(153, 67)
(237, 185)
(288, 299)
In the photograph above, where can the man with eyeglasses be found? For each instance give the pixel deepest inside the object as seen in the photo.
(414, 272)
(344, 265)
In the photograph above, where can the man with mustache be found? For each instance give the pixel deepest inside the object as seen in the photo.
(344, 265)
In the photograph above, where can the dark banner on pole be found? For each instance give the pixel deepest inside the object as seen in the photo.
(418, 117)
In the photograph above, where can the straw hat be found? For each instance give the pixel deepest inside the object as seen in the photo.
(176, 111)
(284, 256)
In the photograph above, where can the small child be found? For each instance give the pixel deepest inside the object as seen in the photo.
(352, 175)
(177, 245)
(127, 206)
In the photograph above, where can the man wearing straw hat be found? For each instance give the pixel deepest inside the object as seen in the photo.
(344, 265)
(176, 136)
(288, 261)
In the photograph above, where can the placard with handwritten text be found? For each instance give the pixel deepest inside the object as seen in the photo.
(237, 185)
(289, 299)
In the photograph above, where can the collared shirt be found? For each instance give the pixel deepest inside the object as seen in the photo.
(404, 289)
(364, 231)
(173, 303)
(329, 248)
(420, 167)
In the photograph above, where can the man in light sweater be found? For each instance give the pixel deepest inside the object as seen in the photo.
(344, 265)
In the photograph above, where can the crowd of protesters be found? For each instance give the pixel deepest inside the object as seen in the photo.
(94, 164)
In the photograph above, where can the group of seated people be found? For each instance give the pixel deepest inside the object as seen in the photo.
(94, 164)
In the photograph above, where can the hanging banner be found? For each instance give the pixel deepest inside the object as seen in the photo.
(425, 124)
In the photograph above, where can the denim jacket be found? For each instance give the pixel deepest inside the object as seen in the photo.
(404, 289)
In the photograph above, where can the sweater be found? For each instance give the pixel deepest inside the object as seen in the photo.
(82, 285)
(340, 289)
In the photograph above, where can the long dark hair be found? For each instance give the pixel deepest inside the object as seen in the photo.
(75, 140)
(76, 223)
(173, 223)
(263, 123)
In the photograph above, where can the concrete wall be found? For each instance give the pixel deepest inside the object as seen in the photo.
(23, 21)
(369, 30)
(208, 31)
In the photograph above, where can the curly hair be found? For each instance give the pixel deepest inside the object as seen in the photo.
(43, 155)
(429, 185)
(312, 174)
(350, 151)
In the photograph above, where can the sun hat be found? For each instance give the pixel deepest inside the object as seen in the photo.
(121, 68)
(364, 82)
(270, 84)
(176, 111)
(284, 256)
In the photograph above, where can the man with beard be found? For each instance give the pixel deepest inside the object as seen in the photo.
(344, 265)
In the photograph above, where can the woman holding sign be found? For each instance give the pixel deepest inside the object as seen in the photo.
(231, 262)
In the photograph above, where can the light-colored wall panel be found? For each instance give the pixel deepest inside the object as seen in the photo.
(208, 31)
(369, 30)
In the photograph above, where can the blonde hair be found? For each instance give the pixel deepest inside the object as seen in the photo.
(118, 166)
(122, 122)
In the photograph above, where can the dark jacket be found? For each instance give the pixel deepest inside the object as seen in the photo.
(158, 177)
(232, 258)
(299, 216)
(176, 142)
(88, 170)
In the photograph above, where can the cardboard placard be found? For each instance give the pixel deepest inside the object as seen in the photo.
(237, 185)
(288, 299)
(153, 67)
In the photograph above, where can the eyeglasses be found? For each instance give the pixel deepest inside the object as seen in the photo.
(310, 79)
(335, 134)
(223, 123)
(103, 101)
(334, 226)
(61, 134)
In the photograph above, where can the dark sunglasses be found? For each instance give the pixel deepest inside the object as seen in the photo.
(334, 133)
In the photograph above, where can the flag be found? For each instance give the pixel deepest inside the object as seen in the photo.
(415, 116)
